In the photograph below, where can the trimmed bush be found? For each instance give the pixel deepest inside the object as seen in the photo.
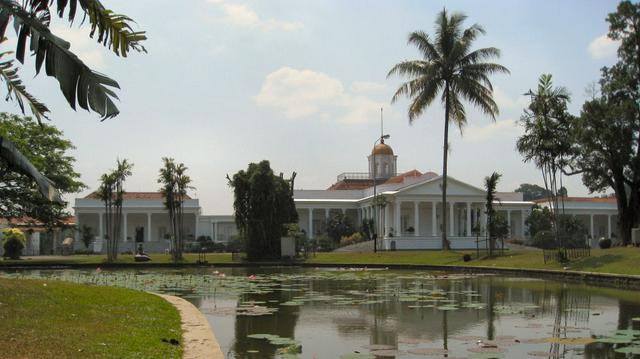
(13, 243)
(604, 243)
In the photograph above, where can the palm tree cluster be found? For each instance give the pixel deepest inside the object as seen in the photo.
(175, 183)
(451, 68)
(111, 192)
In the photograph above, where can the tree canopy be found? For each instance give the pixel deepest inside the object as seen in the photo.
(532, 192)
(263, 204)
(47, 149)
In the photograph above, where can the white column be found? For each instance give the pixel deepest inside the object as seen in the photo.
(434, 220)
(148, 226)
(344, 211)
(591, 222)
(509, 221)
(523, 214)
(101, 224)
(326, 214)
(483, 221)
(416, 218)
(124, 227)
(215, 231)
(396, 222)
(387, 219)
(468, 219)
(608, 226)
(451, 224)
(310, 223)
(195, 229)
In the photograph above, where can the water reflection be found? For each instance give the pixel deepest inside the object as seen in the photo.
(259, 313)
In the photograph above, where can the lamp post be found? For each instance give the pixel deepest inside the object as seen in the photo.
(375, 194)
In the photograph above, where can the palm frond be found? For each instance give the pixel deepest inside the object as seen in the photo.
(422, 41)
(78, 83)
(113, 30)
(16, 90)
(18, 162)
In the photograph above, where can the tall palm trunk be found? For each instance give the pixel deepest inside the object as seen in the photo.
(445, 241)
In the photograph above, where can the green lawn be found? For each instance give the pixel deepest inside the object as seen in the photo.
(100, 259)
(614, 260)
(54, 319)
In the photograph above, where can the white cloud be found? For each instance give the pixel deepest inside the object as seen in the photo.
(365, 86)
(602, 47)
(495, 131)
(507, 102)
(243, 16)
(300, 94)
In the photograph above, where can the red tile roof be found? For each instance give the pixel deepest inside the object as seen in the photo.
(356, 184)
(582, 199)
(154, 196)
(30, 222)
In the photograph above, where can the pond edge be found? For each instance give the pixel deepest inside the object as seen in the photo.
(198, 339)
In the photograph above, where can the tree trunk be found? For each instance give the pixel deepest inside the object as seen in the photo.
(445, 241)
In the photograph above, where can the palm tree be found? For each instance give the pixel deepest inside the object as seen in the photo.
(451, 67)
(491, 183)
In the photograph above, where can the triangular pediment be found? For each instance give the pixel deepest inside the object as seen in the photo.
(434, 187)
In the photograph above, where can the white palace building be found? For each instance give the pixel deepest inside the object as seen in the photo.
(411, 218)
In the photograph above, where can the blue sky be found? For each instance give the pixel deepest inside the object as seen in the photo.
(300, 83)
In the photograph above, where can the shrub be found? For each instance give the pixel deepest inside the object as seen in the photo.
(466, 257)
(352, 239)
(13, 243)
(604, 243)
(544, 240)
(325, 243)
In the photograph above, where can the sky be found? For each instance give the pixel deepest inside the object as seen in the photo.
(301, 84)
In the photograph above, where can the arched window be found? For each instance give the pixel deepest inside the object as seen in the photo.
(386, 169)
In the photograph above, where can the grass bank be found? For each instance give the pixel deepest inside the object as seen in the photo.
(98, 259)
(54, 319)
(613, 261)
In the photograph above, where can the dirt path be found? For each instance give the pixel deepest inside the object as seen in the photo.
(199, 342)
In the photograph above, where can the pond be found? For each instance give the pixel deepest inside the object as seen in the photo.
(355, 314)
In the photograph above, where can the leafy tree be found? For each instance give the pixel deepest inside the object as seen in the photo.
(493, 221)
(263, 205)
(538, 220)
(547, 138)
(606, 139)
(532, 192)
(366, 228)
(449, 66)
(111, 192)
(86, 235)
(175, 184)
(339, 226)
(79, 84)
(13, 242)
(44, 147)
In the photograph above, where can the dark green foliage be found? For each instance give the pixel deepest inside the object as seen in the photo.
(544, 239)
(325, 243)
(175, 183)
(571, 232)
(494, 224)
(46, 149)
(539, 220)
(86, 235)
(13, 247)
(111, 193)
(339, 226)
(604, 243)
(532, 192)
(263, 204)
(451, 68)
(367, 228)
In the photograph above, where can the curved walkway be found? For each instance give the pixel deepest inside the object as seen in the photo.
(198, 339)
